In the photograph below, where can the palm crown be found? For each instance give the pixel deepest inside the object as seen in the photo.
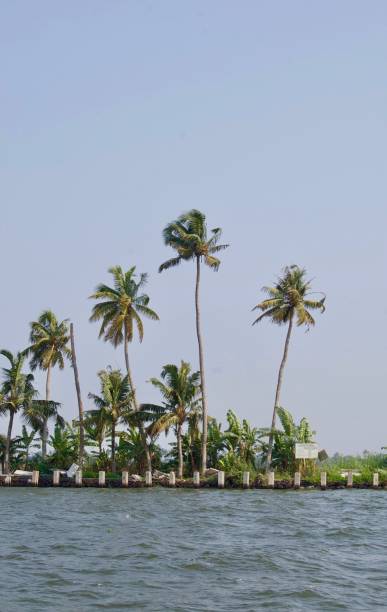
(49, 342)
(120, 307)
(188, 235)
(180, 389)
(17, 390)
(115, 394)
(289, 298)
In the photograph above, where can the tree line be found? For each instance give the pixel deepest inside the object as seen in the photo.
(120, 309)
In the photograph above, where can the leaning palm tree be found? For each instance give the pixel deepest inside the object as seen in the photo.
(48, 347)
(17, 393)
(189, 237)
(120, 309)
(115, 399)
(180, 389)
(289, 301)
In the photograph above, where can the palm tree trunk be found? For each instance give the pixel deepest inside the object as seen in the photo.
(136, 406)
(201, 366)
(179, 452)
(8, 444)
(113, 446)
(79, 397)
(278, 393)
(45, 427)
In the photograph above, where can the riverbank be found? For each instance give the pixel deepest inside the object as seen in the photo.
(213, 482)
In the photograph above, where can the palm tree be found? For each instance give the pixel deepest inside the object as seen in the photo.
(120, 309)
(97, 428)
(49, 346)
(289, 301)
(188, 235)
(25, 442)
(285, 439)
(81, 450)
(114, 400)
(37, 415)
(17, 393)
(180, 389)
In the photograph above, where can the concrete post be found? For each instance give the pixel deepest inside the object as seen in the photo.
(8, 480)
(270, 479)
(172, 479)
(376, 480)
(35, 478)
(196, 479)
(221, 480)
(78, 478)
(148, 479)
(350, 479)
(56, 478)
(125, 478)
(297, 480)
(323, 481)
(246, 480)
(101, 478)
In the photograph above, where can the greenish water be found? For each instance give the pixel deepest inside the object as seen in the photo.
(189, 550)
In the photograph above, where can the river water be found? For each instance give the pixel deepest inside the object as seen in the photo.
(185, 550)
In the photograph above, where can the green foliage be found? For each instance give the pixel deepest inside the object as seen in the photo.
(188, 236)
(285, 440)
(131, 452)
(48, 342)
(290, 296)
(120, 307)
(65, 444)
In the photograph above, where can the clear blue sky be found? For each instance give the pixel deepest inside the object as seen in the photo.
(271, 118)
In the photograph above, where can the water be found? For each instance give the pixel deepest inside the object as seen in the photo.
(188, 550)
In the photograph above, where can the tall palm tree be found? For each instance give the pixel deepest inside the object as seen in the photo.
(115, 399)
(289, 301)
(188, 235)
(180, 389)
(120, 309)
(48, 347)
(81, 449)
(17, 393)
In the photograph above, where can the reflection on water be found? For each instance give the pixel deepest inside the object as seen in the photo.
(192, 550)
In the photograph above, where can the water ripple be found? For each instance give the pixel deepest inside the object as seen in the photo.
(188, 550)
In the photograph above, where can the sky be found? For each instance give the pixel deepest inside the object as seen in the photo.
(270, 117)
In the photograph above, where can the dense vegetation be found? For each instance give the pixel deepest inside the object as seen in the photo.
(120, 431)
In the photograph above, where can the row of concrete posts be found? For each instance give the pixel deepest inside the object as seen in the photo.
(196, 479)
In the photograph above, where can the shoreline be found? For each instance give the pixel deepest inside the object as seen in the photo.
(47, 481)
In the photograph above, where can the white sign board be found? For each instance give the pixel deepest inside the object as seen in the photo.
(307, 451)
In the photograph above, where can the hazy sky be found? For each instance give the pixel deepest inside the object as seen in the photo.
(116, 116)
